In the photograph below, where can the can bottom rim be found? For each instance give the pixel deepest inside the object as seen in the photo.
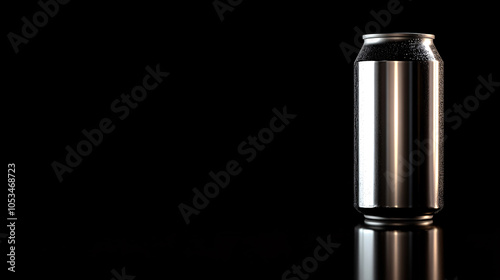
(400, 221)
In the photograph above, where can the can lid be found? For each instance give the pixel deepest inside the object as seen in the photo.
(399, 34)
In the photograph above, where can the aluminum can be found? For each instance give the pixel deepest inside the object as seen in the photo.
(398, 108)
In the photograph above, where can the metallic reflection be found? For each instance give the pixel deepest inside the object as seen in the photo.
(399, 112)
(398, 252)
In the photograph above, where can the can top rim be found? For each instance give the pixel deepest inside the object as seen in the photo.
(399, 34)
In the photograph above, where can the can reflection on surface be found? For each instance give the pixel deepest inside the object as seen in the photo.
(389, 253)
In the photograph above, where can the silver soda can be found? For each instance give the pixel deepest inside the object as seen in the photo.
(398, 107)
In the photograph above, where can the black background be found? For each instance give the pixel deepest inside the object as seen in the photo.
(119, 207)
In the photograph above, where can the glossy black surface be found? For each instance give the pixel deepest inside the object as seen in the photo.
(118, 210)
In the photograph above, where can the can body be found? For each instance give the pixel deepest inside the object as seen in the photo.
(398, 127)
